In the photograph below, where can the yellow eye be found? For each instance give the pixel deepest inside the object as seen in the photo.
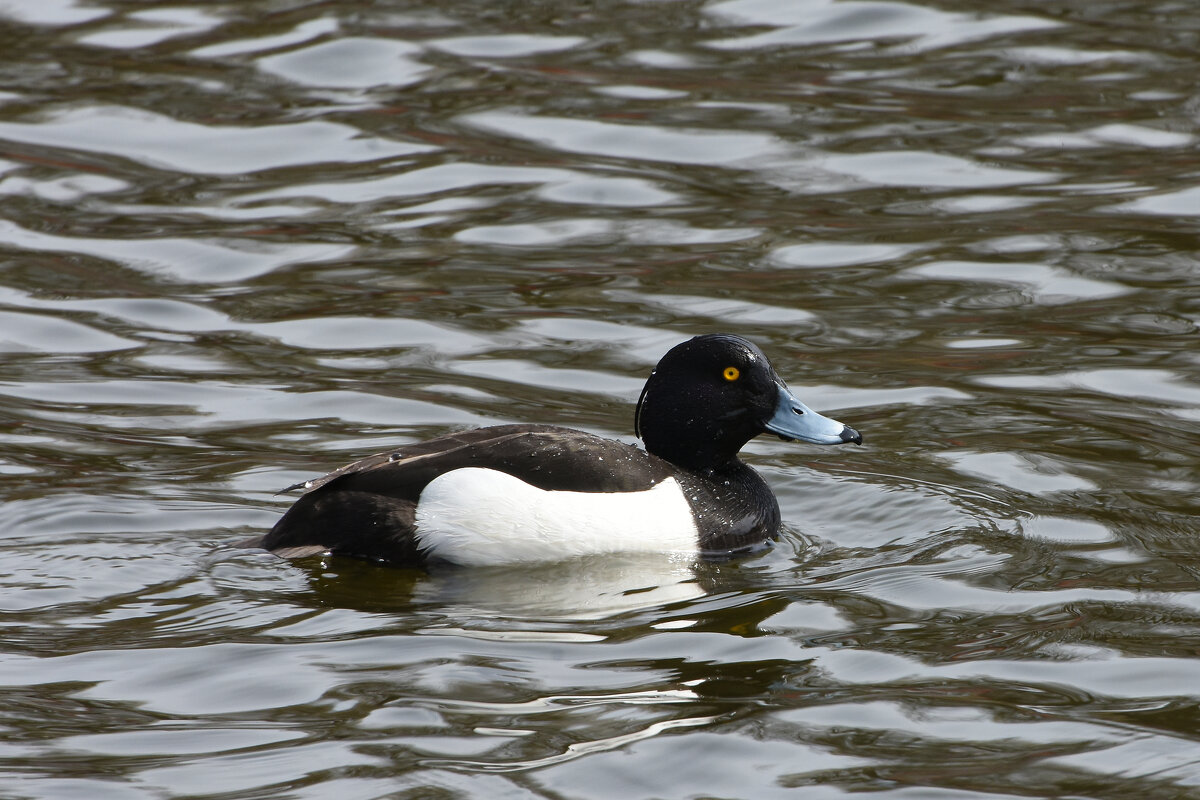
(732, 373)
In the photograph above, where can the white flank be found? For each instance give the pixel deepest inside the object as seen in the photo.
(476, 517)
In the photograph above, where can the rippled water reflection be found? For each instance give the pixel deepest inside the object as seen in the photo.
(245, 243)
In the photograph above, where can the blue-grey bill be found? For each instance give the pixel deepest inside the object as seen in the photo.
(795, 421)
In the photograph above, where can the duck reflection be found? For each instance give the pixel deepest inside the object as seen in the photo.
(580, 589)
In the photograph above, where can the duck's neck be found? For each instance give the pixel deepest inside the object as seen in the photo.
(666, 433)
(705, 456)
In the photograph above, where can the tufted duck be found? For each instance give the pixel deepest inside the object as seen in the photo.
(517, 493)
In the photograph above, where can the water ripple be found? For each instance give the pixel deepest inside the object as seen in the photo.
(244, 245)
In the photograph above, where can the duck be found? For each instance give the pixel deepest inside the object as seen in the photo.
(520, 493)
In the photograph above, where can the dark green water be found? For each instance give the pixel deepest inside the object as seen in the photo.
(243, 243)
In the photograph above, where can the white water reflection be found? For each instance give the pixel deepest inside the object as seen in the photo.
(1113, 134)
(1045, 285)
(1161, 386)
(1066, 56)
(734, 312)
(597, 231)
(1070, 531)
(640, 92)
(350, 63)
(200, 404)
(507, 46)
(829, 254)
(1161, 758)
(650, 142)
(948, 724)
(1104, 674)
(21, 332)
(617, 192)
(152, 26)
(1184, 203)
(542, 234)
(418, 181)
(163, 142)
(51, 12)
(303, 32)
(67, 189)
(984, 203)
(183, 259)
(1024, 472)
(810, 22)
(923, 169)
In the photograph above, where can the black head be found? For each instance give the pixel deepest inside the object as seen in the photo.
(710, 395)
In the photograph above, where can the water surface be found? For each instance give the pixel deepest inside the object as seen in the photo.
(244, 243)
